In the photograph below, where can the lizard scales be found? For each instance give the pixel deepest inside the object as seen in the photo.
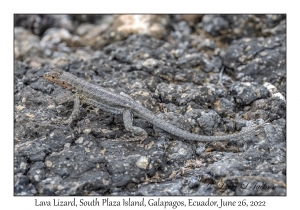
(122, 104)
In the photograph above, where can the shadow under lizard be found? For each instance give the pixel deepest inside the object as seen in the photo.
(123, 104)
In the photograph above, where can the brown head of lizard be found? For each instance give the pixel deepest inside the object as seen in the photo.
(55, 76)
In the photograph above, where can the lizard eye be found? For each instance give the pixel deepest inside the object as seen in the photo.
(53, 77)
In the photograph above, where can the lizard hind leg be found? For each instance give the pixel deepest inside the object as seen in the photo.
(141, 133)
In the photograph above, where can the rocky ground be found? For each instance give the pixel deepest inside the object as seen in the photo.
(171, 64)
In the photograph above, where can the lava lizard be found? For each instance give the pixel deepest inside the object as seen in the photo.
(123, 104)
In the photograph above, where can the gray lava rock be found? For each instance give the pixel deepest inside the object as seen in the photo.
(214, 24)
(172, 68)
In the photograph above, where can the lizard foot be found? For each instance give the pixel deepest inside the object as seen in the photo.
(135, 137)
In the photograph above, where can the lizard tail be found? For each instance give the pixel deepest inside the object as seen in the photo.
(166, 126)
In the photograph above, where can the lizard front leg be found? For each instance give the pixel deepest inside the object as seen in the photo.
(127, 118)
(75, 111)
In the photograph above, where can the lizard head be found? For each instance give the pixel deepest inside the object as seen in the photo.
(56, 76)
